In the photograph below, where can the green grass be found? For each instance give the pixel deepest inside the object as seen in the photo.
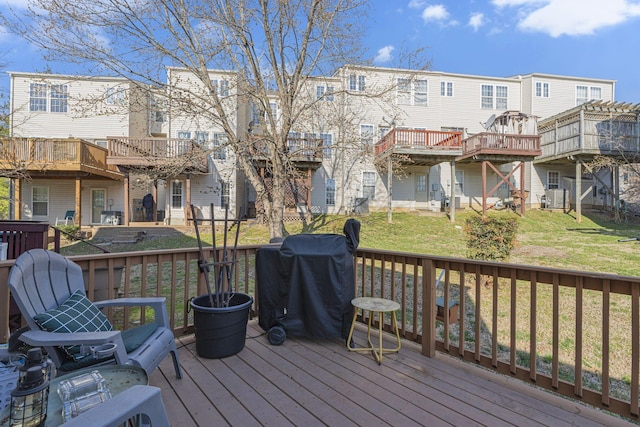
(544, 238)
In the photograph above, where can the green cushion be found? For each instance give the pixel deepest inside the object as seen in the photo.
(76, 314)
(134, 337)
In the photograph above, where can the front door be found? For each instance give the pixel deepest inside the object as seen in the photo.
(98, 204)
(421, 186)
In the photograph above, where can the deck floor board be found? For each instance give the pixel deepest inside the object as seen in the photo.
(307, 382)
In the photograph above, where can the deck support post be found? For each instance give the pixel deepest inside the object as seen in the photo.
(578, 191)
(389, 190)
(127, 214)
(484, 189)
(452, 199)
(78, 202)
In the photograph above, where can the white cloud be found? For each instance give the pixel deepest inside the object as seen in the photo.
(384, 55)
(435, 12)
(571, 17)
(476, 21)
(417, 4)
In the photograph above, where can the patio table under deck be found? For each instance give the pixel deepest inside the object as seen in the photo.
(318, 382)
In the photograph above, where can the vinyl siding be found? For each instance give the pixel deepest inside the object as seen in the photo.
(562, 93)
(79, 121)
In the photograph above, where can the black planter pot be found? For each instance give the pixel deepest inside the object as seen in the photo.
(220, 331)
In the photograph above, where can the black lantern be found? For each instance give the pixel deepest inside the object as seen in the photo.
(29, 399)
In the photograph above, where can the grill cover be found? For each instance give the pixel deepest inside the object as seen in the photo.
(306, 284)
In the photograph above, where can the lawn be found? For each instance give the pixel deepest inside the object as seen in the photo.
(551, 239)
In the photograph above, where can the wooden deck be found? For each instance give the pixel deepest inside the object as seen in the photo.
(318, 382)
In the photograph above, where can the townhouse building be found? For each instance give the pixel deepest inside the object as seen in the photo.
(371, 137)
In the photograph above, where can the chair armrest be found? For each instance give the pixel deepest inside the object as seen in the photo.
(48, 339)
(150, 301)
(158, 304)
(139, 399)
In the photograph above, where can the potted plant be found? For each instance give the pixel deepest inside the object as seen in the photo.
(220, 317)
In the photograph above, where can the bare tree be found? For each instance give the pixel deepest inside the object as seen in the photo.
(274, 48)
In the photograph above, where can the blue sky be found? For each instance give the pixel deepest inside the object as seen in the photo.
(584, 38)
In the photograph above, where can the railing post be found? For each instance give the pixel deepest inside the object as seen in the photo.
(428, 308)
(4, 307)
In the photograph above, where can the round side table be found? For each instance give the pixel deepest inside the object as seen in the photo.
(380, 306)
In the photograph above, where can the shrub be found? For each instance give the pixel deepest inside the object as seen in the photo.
(490, 239)
(69, 231)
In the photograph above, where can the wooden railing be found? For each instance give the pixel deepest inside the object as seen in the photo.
(298, 149)
(20, 236)
(576, 333)
(146, 148)
(502, 143)
(428, 139)
(54, 154)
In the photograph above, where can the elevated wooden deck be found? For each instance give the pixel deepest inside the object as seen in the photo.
(318, 382)
(56, 158)
(499, 147)
(422, 147)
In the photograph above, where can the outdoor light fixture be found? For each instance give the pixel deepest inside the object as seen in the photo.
(29, 399)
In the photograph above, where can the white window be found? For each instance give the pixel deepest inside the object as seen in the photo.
(494, 97)
(542, 89)
(586, 93)
(502, 98)
(487, 96)
(412, 93)
(420, 94)
(327, 143)
(404, 92)
(356, 82)
(176, 194)
(202, 138)
(37, 97)
(219, 149)
(330, 191)
(324, 93)
(221, 87)
(582, 94)
(361, 82)
(382, 131)
(40, 201)
(421, 183)
(114, 96)
(59, 97)
(257, 115)
(184, 134)
(224, 194)
(366, 135)
(369, 185)
(553, 180)
(294, 141)
(329, 93)
(160, 117)
(159, 108)
(459, 184)
(446, 89)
